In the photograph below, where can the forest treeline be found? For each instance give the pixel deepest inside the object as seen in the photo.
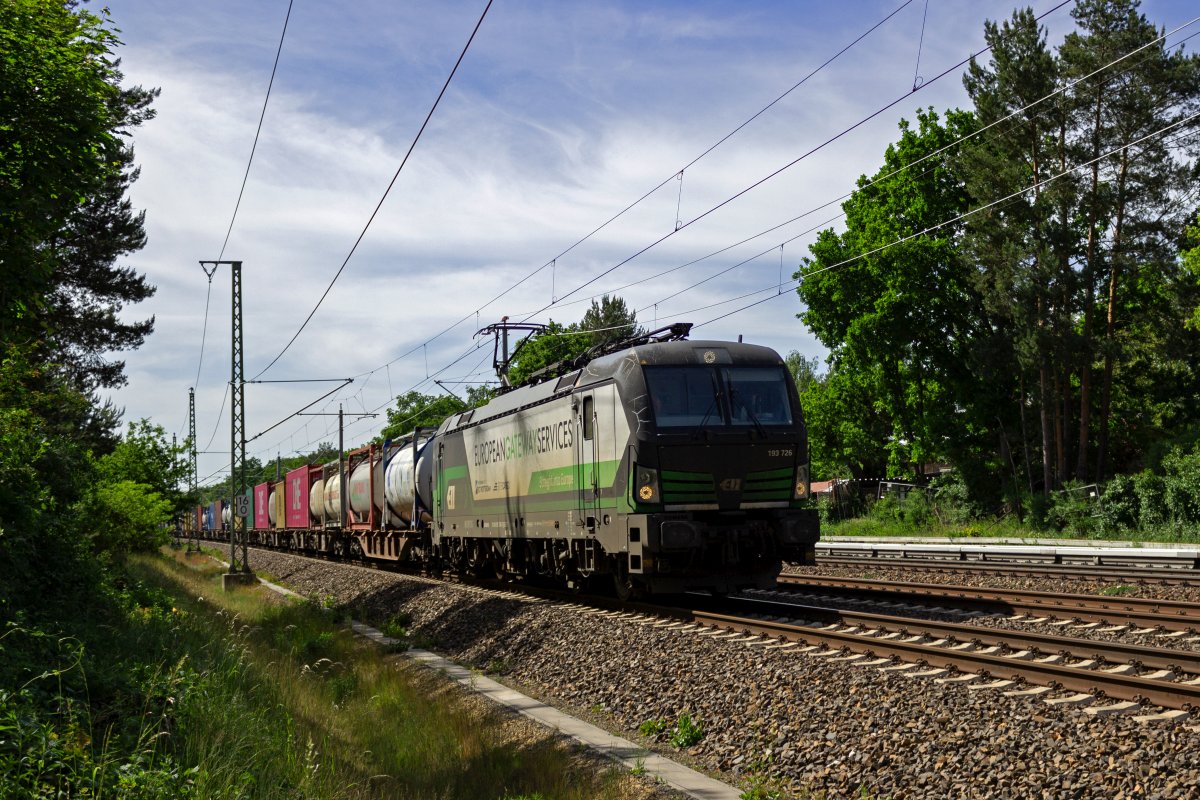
(1016, 290)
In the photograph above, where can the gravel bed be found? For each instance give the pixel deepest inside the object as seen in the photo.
(809, 725)
(926, 608)
(877, 571)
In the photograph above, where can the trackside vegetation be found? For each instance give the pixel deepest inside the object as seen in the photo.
(185, 691)
(1015, 290)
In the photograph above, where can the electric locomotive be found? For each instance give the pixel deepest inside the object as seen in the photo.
(655, 465)
(663, 466)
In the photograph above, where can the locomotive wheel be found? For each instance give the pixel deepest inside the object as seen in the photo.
(624, 586)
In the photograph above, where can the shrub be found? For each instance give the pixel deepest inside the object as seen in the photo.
(1120, 505)
(1151, 499)
(687, 731)
(1181, 486)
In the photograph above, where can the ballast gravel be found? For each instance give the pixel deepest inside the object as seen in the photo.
(805, 726)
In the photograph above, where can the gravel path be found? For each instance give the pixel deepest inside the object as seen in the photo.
(802, 724)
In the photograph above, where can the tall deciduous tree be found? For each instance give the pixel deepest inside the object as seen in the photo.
(892, 300)
(65, 168)
(55, 133)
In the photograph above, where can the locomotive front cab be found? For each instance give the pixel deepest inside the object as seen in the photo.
(720, 474)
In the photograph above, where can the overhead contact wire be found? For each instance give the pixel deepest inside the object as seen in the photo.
(661, 184)
(387, 191)
(781, 170)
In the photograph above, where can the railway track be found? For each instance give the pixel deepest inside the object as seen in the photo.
(1146, 613)
(1019, 663)
(1171, 576)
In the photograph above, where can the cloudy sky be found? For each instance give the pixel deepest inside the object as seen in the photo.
(561, 115)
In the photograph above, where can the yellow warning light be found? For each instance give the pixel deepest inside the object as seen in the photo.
(646, 492)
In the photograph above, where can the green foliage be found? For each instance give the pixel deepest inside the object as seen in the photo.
(56, 91)
(652, 727)
(607, 320)
(687, 731)
(416, 410)
(894, 319)
(804, 370)
(127, 517)
(1191, 262)
(145, 456)
(1041, 340)
(910, 510)
(554, 344)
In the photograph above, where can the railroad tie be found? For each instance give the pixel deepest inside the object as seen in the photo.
(1000, 684)
(1121, 669)
(874, 662)
(1124, 707)
(936, 672)
(1034, 691)
(1075, 700)
(965, 678)
(1175, 715)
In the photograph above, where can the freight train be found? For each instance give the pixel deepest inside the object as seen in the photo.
(656, 465)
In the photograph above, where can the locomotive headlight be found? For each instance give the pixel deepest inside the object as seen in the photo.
(802, 485)
(646, 484)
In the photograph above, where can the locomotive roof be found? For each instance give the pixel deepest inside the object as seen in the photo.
(606, 367)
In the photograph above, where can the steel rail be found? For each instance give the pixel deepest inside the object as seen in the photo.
(1147, 612)
(1177, 577)
(1117, 686)
(1113, 685)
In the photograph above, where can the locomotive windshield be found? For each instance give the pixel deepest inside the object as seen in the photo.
(719, 396)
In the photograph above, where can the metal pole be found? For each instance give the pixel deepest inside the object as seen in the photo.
(237, 428)
(193, 478)
(342, 464)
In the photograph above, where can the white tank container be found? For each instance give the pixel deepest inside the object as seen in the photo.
(361, 498)
(271, 507)
(402, 487)
(400, 482)
(226, 514)
(316, 500)
(333, 499)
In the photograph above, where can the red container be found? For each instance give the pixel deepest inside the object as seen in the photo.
(262, 496)
(296, 491)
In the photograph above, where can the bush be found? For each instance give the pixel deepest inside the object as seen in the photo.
(1181, 487)
(687, 732)
(1075, 510)
(1151, 499)
(1120, 505)
(908, 510)
(952, 499)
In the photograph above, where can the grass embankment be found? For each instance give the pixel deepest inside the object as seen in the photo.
(243, 694)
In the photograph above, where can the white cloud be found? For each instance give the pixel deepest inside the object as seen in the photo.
(560, 116)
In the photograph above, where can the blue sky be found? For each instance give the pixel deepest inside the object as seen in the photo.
(561, 114)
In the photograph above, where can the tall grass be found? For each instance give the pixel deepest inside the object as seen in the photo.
(197, 693)
(296, 705)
